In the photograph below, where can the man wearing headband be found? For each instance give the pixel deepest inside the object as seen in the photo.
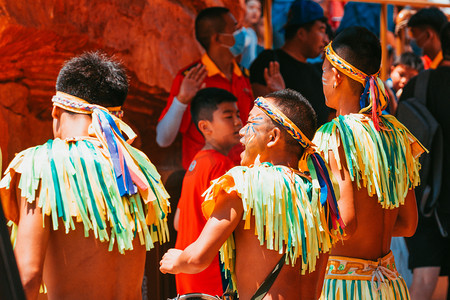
(375, 160)
(80, 204)
(276, 214)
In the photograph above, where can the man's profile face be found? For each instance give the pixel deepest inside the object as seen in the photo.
(254, 136)
(316, 39)
(231, 25)
(421, 36)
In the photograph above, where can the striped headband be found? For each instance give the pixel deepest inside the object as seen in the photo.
(108, 129)
(80, 106)
(374, 98)
(276, 115)
(311, 161)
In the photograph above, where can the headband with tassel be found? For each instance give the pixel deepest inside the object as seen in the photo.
(374, 99)
(108, 130)
(311, 160)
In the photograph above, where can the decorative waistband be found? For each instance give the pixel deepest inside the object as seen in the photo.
(349, 268)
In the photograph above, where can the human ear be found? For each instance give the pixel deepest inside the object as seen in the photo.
(56, 112)
(274, 137)
(205, 127)
(337, 77)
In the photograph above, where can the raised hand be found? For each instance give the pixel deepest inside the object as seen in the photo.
(191, 83)
(272, 75)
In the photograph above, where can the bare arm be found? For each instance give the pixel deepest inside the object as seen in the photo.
(196, 257)
(407, 217)
(31, 246)
(346, 202)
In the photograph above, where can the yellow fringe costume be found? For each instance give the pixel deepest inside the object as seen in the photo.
(382, 156)
(294, 213)
(86, 180)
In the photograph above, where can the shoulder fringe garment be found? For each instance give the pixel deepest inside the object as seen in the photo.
(386, 162)
(75, 181)
(100, 180)
(285, 216)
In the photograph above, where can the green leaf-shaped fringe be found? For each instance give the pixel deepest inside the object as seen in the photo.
(76, 183)
(286, 218)
(385, 162)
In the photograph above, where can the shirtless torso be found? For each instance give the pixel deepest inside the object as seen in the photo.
(82, 261)
(254, 263)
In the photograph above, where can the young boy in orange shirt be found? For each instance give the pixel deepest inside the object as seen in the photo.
(215, 114)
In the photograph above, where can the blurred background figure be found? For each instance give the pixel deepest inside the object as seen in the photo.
(254, 36)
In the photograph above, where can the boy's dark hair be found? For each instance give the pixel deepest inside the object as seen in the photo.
(205, 103)
(409, 59)
(94, 77)
(208, 22)
(291, 30)
(361, 48)
(431, 17)
(294, 106)
(445, 41)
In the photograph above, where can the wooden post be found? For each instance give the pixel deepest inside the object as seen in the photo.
(383, 38)
(268, 37)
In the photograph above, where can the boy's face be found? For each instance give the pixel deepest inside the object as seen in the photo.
(400, 76)
(225, 126)
(254, 136)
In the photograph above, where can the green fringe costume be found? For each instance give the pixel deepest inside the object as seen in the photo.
(74, 181)
(289, 217)
(386, 163)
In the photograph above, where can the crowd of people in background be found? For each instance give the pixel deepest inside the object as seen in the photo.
(300, 179)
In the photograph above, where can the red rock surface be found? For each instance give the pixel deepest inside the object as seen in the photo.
(153, 38)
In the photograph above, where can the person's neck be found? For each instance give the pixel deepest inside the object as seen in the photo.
(74, 126)
(223, 59)
(433, 52)
(213, 145)
(348, 103)
(293, 50)
(281, 157)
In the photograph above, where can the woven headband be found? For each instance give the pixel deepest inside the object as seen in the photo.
(276, 115)
(80, 106)
(311, 160)
(374, 98)
(107, 128)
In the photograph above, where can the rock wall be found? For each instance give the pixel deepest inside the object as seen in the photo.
(154, 38)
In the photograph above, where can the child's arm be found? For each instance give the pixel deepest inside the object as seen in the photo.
(346, 201)
(197, 256)
(407, 217)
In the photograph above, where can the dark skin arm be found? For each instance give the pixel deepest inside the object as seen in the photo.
(407, 217)
(31, 246)
(196, 257)
(346, 201)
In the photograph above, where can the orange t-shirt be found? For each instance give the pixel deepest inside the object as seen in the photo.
(239, 86)
(206, 166)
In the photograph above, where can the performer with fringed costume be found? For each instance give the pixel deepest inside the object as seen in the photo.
(91, 182)
(278, 208)
(375, 160)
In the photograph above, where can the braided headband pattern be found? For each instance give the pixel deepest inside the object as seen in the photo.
(80, 106)
(108, 130)
(374, 98)
(315, 164)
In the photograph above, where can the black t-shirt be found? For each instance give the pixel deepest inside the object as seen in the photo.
(438, 103)
(302, 77)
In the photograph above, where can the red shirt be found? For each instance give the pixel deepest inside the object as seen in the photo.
(206, 166)
(239, 86)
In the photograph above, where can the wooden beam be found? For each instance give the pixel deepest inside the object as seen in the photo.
(383, 39)
(413, 3)
(268, 36)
